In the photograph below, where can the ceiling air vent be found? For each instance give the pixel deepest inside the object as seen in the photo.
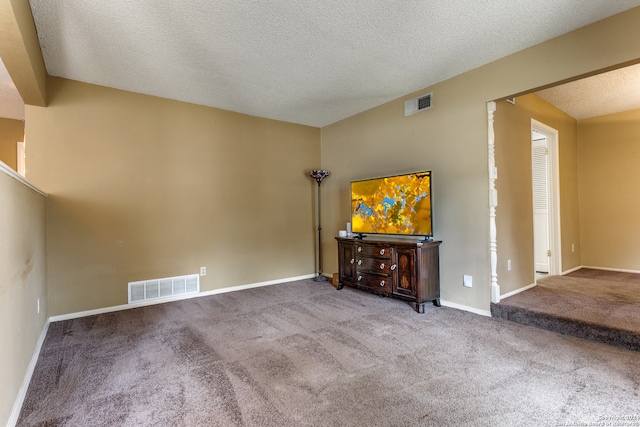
(418, 104)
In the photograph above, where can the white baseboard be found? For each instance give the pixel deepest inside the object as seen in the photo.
(17, 404)
(621, 270)
(571, 270)
(111, 309)
(517, 291)
(474, 310)
(255, 285)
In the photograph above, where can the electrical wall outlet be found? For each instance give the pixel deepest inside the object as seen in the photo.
(203, 271)
(509, 264)
(467, 281)
(573, 247)
(38, 305)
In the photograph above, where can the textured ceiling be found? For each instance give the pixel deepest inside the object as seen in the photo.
(308, 62)
(11, 105)
(605, 93)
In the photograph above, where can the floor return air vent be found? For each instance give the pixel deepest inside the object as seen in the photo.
(163, 288)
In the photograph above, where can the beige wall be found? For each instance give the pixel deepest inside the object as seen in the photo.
(382, 141)
(11, 131)
(514, 214)
(22, 283)
(451, 140)
(609, 159)
(143, 187)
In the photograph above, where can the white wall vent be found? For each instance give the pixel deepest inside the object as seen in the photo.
(162, 288)
(420, 103)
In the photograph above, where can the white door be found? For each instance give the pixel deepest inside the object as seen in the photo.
(541, 212)
(21, 158)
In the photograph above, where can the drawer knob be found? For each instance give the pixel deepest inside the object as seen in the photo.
(359, 248)
(352, 261)
(359, 262)
(393, 267)
(382, 283)
(382, 266)
(382, 251)
(359, 278)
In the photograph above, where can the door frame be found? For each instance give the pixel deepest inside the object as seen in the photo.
(552, 135)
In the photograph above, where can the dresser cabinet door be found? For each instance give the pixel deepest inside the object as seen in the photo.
(405, 283)
(346, 263)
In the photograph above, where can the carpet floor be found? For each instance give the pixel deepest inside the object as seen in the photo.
(599, 305)
(305, 354)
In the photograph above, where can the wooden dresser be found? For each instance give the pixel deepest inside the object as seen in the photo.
(406, 270)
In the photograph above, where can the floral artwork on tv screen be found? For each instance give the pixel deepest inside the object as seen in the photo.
(392, 205)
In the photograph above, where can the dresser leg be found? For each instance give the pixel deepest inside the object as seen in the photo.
(419, 307)
(340, 286)
(436, 302)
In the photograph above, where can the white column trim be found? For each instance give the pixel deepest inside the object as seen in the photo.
(493, 202)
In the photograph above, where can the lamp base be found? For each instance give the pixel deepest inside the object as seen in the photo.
(320, 278)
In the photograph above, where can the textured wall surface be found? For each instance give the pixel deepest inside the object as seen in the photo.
(11, 131)
(609, 159)
(22, 282)
(142, 188)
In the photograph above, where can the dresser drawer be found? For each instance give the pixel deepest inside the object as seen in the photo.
(374, 265)
(379, 251)
(375, 282)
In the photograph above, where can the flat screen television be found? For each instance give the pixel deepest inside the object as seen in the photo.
(399, 204)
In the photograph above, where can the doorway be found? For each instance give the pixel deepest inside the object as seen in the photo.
(546, 205)
(541, 222)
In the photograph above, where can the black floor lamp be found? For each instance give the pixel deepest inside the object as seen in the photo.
(319, 175)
